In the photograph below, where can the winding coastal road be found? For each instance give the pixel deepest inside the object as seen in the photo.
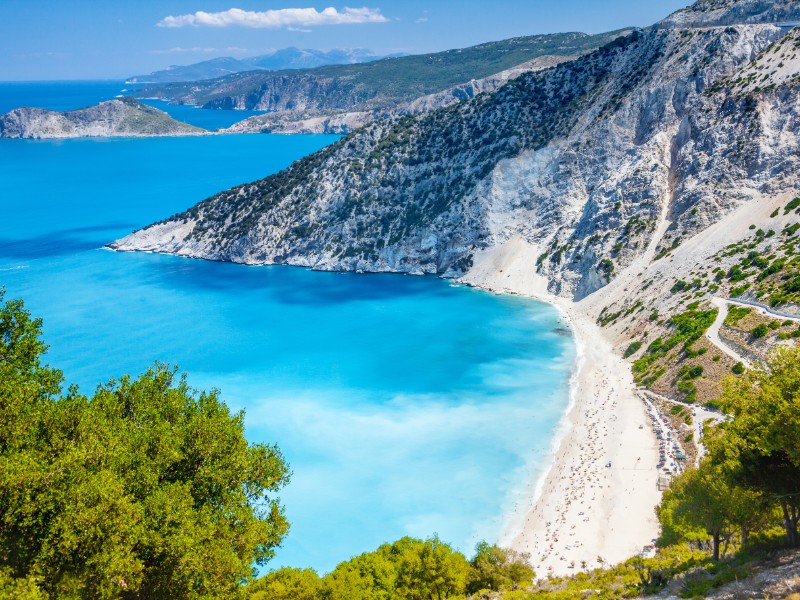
(762, 309)
(723, 303)
(713, 331)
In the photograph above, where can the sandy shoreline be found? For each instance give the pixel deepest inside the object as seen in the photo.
(582, 509)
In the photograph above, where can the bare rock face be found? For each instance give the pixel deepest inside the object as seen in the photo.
(717, 13)
(595, 161)
(119, 117)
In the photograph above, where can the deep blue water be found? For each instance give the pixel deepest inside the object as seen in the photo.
(70, 95)
(405, 405)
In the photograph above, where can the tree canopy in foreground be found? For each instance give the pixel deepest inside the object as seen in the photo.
(408, 569)
(750, 480)
(145, 489)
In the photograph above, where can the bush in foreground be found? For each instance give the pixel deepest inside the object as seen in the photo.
(146, 489)
(408, 569)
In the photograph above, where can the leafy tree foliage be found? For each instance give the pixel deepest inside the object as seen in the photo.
(703, 502)
(431, 570)
(753, 467)
(287, 584)
(146, 489)
(408, 569)
(495, 568)
(761, 442)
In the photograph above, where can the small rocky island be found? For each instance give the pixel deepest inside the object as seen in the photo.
(119, 117)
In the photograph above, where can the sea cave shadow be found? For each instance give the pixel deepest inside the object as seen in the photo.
(57, 243)
(287, 284)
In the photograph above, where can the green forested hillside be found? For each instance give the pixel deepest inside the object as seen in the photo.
(383, 83)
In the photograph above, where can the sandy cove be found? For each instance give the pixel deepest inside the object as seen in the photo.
(582, 509)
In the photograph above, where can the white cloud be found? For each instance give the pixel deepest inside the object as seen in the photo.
(276, 19)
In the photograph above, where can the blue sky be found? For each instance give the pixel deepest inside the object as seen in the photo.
(109, 39)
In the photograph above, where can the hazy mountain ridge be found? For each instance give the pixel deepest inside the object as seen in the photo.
(119, 117)
(590, 161)
(374, 86)
(285, 58)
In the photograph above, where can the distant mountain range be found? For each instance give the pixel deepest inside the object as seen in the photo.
(375, 86)
(286, 58)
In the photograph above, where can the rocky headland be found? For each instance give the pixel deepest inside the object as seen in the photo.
(123, 116)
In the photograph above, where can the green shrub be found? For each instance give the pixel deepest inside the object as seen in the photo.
(679, 286)
(695, 372)
(735, 273)
(631, 350)
(759, 331)
(791, 206)
(739, 290)
(606, 266)
(736, 314)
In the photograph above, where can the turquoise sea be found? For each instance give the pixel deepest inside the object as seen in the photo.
(405, 405)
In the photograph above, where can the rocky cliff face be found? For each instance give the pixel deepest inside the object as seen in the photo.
(120, 117)
(716, 13)
(631, 148)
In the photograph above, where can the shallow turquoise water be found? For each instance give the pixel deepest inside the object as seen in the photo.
(405, 405)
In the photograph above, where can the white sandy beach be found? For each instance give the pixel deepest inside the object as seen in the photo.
(582, 509)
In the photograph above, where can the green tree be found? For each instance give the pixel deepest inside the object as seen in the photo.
(703, 502)
(286, 584)
(761, 442)
(431, 570)
(496, 569)
(369, 576)
(145, 489)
